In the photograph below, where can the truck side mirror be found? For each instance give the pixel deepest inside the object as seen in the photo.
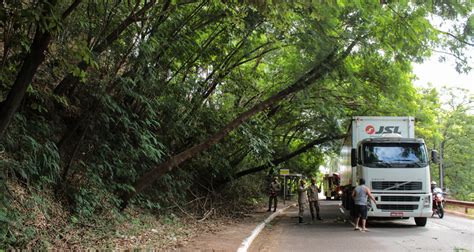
(353, 158)
(434, 156)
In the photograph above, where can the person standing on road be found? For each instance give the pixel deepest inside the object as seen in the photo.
(302, 199)
(313, 191)
(274, 190)
(360, 194)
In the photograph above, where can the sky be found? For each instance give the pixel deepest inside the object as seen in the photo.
(441, 74)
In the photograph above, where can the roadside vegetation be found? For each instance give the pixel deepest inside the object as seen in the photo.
(156, 119)
(461, 211)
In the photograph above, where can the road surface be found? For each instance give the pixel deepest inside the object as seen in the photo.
(335, 233)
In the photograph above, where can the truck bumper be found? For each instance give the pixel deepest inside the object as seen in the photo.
(418, 206)
(395, 214)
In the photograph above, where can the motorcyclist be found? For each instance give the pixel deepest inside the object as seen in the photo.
(433, 185)
(434, 188)
(438, 200)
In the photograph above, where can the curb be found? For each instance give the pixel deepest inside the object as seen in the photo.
(248, 241)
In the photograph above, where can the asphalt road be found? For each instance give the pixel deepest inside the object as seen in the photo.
(335, 233)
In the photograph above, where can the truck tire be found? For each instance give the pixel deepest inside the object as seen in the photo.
(328, 198)
(421, 221)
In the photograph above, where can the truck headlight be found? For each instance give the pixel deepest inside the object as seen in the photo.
(427, 201)
(340, 192)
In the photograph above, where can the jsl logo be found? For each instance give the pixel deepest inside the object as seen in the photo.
(383, 129)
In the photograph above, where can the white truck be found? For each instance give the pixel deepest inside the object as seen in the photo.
(394, 164)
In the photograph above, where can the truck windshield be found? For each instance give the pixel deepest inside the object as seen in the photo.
(394, 155)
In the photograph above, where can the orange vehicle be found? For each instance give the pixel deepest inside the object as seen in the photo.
(332, 186)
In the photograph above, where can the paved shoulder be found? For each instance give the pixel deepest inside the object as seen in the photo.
(336, 234)
(227, 236)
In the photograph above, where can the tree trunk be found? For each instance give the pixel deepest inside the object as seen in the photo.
(277, 161)
(148, 178)
(29, 67)
(24, 77)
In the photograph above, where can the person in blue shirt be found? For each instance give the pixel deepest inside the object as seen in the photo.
(360, 194)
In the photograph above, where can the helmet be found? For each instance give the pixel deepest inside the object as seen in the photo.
(433, 182)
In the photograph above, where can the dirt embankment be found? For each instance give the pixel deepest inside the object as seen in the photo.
(40, 222)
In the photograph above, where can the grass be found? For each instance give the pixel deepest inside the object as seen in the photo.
(461, 210)
(456, 249)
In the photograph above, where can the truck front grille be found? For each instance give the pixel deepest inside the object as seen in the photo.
(397, 207)
(396, 185)
(400, 198)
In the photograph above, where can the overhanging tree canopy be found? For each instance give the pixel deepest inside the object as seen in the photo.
(129, 91)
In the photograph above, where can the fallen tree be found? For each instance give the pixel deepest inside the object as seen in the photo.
(280, 160)
(317, 73)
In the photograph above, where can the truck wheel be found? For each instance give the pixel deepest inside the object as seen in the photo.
(328, 198)
(421, 221)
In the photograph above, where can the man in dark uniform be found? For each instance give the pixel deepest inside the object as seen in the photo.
(274, 190)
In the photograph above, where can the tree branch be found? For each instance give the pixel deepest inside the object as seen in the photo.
(70, 80)
(280, 160)
(455, 37)
(70, 9)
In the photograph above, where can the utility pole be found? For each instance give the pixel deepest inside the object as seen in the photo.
(441, 165)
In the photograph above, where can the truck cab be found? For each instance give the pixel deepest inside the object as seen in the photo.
(397, 172)
(395, 165)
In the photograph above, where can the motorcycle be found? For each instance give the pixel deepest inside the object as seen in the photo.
(438, 202)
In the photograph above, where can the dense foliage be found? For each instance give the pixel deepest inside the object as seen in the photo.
(451, 134)
(163, 103)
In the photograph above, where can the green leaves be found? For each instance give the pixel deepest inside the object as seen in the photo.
(176, 75)
(448, 127)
